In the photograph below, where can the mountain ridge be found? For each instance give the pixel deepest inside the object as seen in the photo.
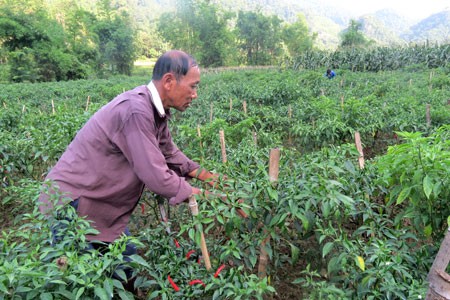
(385, 27)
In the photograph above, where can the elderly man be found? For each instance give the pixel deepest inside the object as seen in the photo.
(127, 145)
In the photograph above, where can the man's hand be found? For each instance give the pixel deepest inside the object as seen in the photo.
(206, 176)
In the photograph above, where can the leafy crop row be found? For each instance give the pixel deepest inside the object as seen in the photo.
(336, 231)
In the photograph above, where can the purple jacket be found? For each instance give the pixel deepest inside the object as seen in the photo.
(124, 146)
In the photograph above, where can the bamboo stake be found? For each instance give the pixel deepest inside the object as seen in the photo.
(53, 107)
(290, 117)
(360, 149)
(199, 136)
(428, 114)
(255, 138)
(244, 105)
(274, 162)
(87, 103)
(231, 104)
(194, 209)
(211, 108)
(4, 104)
(23, 108)
(222, 145)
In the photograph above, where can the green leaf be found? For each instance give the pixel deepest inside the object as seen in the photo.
(295, 253)
(79, 293)
(346, 200)
(125, 296)
(327, 248)
(304, 220)
(273, 194)
(139, 260)
(220, 219)
(403, 195)
(428, 230)
(207, 220)
(360, 263)
(427, 186)
(101, 293)
(3, 288)
(46, 296)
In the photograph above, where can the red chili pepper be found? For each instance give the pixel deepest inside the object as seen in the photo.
(142, 208)
(196, 281)
(219, 269)
(173, 284)
(188, 255)
(176, 243)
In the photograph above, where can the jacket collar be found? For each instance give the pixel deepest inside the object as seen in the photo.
(156, 99)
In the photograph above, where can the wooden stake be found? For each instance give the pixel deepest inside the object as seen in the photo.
(428, 114)
(244, 105)
(211, 109)
(289, 131)
(223, 147)
(360, 149)
(87, 103)
(23, 108)
(194, 210)
(274, 162)
(231, 104)
(255, 138)
(199, 136)
(53, 107)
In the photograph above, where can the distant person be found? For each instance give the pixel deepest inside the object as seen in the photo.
(330, 74)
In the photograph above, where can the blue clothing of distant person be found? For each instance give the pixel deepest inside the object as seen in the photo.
(330, 74)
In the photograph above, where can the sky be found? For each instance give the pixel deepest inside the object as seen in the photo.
(415, 9)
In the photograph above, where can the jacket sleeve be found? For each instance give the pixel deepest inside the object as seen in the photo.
(175, 158)
(137, 141)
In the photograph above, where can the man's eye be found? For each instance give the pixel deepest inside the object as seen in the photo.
(194, 87)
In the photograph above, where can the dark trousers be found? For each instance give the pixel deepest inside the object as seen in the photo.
(102, 247)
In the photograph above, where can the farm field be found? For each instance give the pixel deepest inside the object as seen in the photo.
(331, 227)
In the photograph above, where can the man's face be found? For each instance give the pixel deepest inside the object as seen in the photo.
(185, 90)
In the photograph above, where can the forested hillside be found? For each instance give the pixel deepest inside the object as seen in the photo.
(49, 40)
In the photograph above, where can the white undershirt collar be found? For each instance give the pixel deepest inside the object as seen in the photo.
(156, 99)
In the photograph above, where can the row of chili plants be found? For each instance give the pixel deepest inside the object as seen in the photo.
(339, 226)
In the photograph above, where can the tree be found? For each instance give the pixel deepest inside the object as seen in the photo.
(216, 41)
(259, 37)
(199, 28)
(36, 46)
(352, 37)
(296, 37)
(116, 43)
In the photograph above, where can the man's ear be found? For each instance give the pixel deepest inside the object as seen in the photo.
(168, 81)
